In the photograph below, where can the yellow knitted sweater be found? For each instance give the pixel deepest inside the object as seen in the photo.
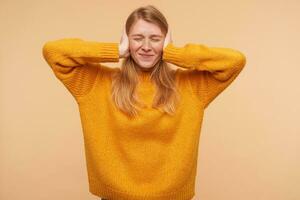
(154, 156)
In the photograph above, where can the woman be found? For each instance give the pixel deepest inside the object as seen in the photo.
(141, 122)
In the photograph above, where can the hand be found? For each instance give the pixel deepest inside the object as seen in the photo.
(124, 45)
(168, 38)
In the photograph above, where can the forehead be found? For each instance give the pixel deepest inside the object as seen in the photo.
(144, 28)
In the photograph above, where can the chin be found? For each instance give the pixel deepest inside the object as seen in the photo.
(146, 65)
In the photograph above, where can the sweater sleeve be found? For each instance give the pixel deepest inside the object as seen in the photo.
(211, 69)
(73, 61)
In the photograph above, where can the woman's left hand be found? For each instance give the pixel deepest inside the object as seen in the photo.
(168, 38)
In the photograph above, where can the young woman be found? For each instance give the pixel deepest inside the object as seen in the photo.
(141, 122)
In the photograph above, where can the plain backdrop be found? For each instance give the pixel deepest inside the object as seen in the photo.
(250, 138)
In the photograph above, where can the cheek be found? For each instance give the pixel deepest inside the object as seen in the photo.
(158, 46)
(133, 46)
(158, 49)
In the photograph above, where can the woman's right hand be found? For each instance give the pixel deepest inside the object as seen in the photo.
(124, 45)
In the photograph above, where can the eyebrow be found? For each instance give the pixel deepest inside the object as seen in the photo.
(153, 35)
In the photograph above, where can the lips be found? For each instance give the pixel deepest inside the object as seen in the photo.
(146, 55)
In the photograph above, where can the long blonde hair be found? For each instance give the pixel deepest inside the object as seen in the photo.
(125, 80)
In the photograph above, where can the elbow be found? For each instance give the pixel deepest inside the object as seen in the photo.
(53, 46)
(59, 46)
(239, 64)
(241, 60)
(47, 50)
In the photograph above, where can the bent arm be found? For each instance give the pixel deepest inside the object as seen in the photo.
(71, 60)
(212, 69)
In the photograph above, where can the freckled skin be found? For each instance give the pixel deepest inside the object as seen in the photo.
(146, 43)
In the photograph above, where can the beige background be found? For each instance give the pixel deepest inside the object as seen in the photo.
(250, 139)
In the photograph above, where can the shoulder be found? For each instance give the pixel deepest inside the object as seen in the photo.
(106, 72)
(187, 74)
(188, 78)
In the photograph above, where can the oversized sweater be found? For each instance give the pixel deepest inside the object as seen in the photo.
(153, 156)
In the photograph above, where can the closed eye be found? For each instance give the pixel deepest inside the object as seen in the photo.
(138, 39)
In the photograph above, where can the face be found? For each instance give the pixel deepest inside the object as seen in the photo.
(145, 43)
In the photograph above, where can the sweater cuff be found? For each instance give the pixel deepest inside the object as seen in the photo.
(173, 54)
(108, 51)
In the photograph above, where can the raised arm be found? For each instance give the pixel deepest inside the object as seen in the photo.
(212, 69)
(73, 61)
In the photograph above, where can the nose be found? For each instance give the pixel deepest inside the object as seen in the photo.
(146, 45)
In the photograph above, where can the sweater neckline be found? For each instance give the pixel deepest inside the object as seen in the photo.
(144, 75)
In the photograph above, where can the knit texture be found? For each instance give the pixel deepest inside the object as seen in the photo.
(153, 156)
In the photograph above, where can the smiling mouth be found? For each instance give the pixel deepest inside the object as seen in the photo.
(145, 55)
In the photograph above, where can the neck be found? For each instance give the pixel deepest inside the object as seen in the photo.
(144, 70)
